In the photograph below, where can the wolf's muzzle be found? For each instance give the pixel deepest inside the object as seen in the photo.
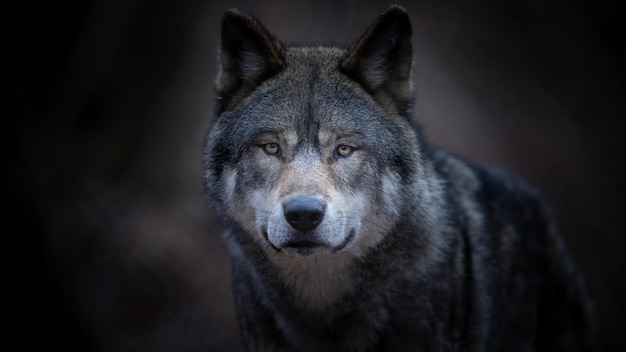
(304, 213)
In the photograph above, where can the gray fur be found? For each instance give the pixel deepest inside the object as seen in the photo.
(417, 250)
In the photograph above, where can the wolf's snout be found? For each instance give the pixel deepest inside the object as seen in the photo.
(304, 213)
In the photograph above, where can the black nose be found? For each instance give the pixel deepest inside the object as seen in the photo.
(304, 213)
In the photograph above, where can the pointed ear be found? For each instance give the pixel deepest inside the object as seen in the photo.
(249, 54)
(381, 60)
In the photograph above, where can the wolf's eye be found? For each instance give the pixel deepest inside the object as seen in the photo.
(344, 150)
(271, 148)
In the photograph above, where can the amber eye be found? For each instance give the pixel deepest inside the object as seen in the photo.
(271, 148)
(344, 150)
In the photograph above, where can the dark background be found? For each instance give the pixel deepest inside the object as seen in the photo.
(110, 245)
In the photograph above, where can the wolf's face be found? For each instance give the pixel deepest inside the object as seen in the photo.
(311, 147)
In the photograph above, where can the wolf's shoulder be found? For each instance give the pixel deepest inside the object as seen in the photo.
(497, 191)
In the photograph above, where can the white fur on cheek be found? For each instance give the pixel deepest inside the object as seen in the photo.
(230, 183)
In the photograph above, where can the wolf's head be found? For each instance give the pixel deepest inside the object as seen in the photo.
(312, 150)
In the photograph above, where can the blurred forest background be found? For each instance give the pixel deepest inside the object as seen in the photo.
(111, 246)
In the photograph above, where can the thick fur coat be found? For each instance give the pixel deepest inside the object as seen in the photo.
(347, 231)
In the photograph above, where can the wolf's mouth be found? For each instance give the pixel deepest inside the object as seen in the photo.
(303, 247)
(306, 246)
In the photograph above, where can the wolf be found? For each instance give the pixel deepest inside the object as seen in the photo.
(348, 231)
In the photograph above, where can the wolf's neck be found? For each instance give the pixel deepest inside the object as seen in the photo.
(318, 280)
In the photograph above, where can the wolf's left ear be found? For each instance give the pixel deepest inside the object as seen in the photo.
(249, 54)
(381, 60)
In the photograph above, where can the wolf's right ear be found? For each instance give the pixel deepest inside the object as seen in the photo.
(249, 54)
